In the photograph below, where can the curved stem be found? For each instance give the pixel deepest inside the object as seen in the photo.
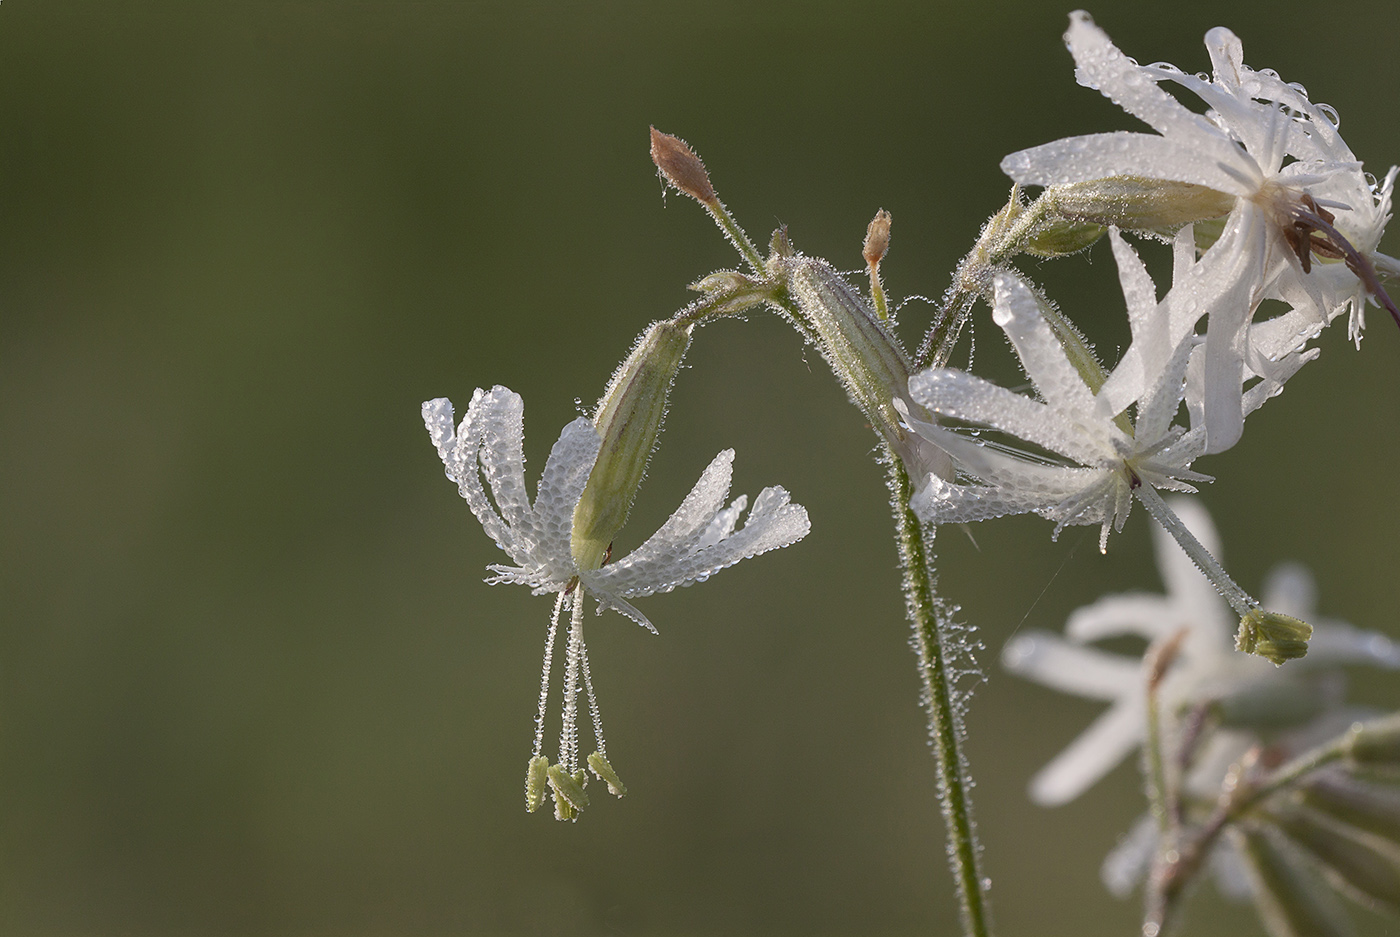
(927, 613)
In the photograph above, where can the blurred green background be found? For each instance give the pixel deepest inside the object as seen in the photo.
(250, 679)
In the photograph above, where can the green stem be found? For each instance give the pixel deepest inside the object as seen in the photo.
(725, 219)
(1156, 765)
(945, 726)
(1238, 796)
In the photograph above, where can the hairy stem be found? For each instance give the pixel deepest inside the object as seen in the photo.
(926, 612)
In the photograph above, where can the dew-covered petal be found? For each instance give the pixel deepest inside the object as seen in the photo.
(437, 417)
(723, 524)
(1158, 408)
(565, 474)
(617, 603)
(1071, 668)
(1098, 750)
(1014, 484)
(774, 522)
(1238, 257)
(962, 396)
(684, 528)
(501, 415)
(1213, 162)
(1017, 310)
(943, 502)
(1101, 66)
(1139, 292)
(459, 457)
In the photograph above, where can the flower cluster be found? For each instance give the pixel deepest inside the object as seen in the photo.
(1304, 220)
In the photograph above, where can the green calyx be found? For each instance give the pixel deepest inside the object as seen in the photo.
(628, 420)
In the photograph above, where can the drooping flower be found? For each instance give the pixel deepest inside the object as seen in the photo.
(1247, 692)
(699, 539)
(1299, 195)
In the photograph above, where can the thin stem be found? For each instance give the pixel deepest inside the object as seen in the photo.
(945, 730)
(1237, 796)
(544, 674)
(1156, 764)
(1242, 602)
(725, 219)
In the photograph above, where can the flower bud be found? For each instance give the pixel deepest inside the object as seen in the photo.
(861, 350)
(1272, 636)
(1354, 863)
(681, 167)
(603, 771)
(877, 244)
(536, 780)
(628, 420)
(1063, 237)
(1372, 808)
(1286, 892)
(864, 355)
(877, 239)
(1135, 203)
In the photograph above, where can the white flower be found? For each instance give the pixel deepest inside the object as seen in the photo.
(1298, 191)
(1245, 690)
(1106, 459)
(698, 540)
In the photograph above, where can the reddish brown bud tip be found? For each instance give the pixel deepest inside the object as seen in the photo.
(877, 238)
(681, 167)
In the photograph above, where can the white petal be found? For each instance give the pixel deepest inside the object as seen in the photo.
(1138, 290)
(565, 475)
(943, 502)
(684, 528)
(1147, 616)
(501, 416)
(1108, 740)
(1336, 642)
(1070, 668)
(437, 417)
(958, 394)
(1158, 407)
(1126, 865)
(1211, 161)
(1101, 66)
(1240, 255)
(1291, 590)
(460, 462)
(608, 600)
(1017, 311)
(773, 523)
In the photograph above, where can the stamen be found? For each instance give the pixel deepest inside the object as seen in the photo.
(568, 736)
(1308, 217)
(544, 674)
(592, 701)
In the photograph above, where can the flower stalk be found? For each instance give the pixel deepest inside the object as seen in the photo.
(926, 612)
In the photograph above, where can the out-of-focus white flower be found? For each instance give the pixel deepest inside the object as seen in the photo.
(1245, 691)
(698, 540)
(1298, 190)
(1106, 459)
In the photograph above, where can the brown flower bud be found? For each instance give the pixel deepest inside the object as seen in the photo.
(681, 167)
(877, 238)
